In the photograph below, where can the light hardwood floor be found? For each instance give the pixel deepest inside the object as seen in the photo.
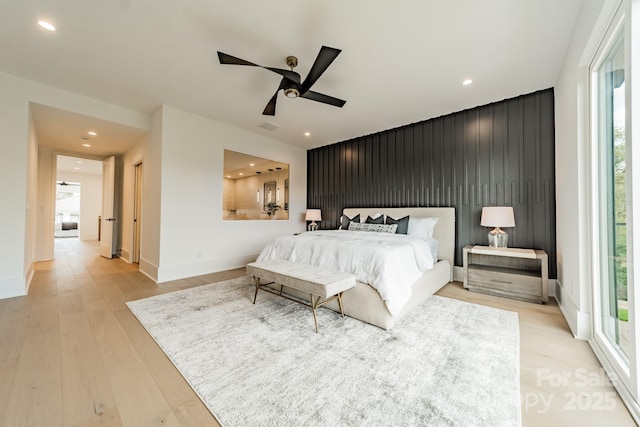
(72, 354)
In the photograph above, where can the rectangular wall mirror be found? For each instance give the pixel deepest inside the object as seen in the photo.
(254, 188)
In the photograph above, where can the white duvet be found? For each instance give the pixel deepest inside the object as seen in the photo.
(388, 262)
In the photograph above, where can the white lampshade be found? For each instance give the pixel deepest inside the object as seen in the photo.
(497, 216)
(314, 215)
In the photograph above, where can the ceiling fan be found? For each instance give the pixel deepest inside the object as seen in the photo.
(290, 82)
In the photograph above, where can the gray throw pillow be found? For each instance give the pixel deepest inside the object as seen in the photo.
(377, 220)
(345, 221)
(403, 224)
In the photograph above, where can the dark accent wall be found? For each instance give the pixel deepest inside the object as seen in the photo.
(495, 155)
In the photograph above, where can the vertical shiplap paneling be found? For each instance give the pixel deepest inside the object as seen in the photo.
(498, 154)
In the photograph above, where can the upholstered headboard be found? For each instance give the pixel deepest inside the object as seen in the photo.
(444, 232)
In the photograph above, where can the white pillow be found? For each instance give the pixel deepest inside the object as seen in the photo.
(433, 247)
(422, 227)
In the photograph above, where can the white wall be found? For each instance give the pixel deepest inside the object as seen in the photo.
(17, 166)
(572, 144)
(31, 218)
(14, 134)
(46, 201)
(194, 238)
(90, 201)
(150, 150)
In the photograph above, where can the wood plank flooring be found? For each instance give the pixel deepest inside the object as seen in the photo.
(72, 354)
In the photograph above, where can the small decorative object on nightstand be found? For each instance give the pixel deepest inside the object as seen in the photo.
(313, 215)
(508, 272)
(497, 216)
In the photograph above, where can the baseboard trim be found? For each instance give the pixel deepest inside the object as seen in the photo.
(125, 256)
(458, 274)
(579, 321)
(13, 287)
(175, 272)
(29, 277)
(149, 269)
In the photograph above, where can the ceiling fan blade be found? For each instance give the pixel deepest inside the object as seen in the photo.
(226, 59)
(270, 109)
(232, 60)
(326, 99)
(323, 60)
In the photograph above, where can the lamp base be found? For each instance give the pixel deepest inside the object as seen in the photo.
(498, 238)
(313, 226)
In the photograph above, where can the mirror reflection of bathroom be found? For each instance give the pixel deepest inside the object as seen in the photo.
(254, 188)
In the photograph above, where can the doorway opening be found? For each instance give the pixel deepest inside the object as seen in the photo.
(67, 217)
(78, 198)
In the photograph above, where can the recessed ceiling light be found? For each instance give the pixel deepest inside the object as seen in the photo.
(307, 134)
(77, 168)
(86, 145)
(92, 133)
(240, 174)
(467, 82)
(47, 25)
(79, 162)
(252, 164)
(228, 176)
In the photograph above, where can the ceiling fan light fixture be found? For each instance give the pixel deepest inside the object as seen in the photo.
(291, 93)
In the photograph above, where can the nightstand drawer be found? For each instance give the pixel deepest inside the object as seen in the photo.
(526, 283)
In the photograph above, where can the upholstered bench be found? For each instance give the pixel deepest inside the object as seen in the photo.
(322, 285)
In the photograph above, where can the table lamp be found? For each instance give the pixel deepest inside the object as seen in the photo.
(313, 215)
(497, 216)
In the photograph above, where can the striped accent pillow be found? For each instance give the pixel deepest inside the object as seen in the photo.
(380, 228)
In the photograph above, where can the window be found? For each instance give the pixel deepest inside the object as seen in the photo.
(612, 195)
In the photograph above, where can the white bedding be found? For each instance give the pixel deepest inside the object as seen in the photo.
(390, 263)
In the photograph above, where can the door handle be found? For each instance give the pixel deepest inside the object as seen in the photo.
(110, 219)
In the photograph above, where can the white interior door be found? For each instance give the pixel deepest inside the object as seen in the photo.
(137, 213)
(107, 248)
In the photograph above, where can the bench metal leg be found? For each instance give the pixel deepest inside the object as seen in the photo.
(314, 303)
(340, 303)
(314, 307)
(256, 283)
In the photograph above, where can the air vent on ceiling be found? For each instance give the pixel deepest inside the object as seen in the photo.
(268, 126)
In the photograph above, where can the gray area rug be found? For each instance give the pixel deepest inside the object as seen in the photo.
(448, 363)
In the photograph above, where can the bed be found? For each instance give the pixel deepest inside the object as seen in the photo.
(364, 302)
(66, 229)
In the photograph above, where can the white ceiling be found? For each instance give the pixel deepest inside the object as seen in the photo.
(78, 165)
(67, 131)
(402, 62)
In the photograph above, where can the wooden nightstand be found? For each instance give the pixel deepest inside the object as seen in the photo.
(521, 274)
